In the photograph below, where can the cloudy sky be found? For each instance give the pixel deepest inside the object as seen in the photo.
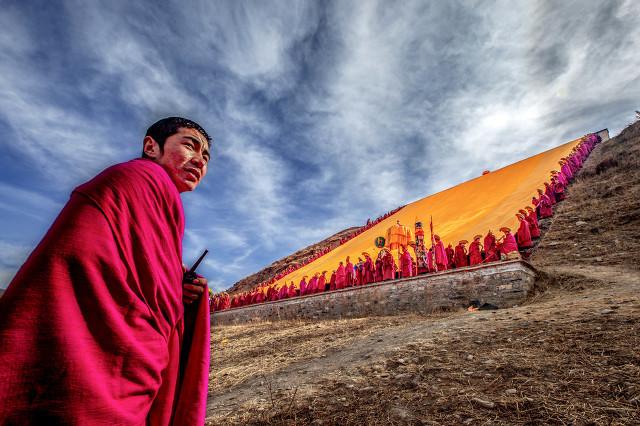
(323, 113)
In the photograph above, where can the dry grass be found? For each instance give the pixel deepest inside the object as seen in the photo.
(568, 356)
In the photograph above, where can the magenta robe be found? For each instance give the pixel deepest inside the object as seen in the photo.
(441, 256)
(349, 272)
(93, 329)
(461, 256)
(475, 257)
(509, 244)
(341, 277)
(534, 229)
(406, 264)
(388, 267)
(524, 235)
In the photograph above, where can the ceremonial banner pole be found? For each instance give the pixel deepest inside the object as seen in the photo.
(433, 243)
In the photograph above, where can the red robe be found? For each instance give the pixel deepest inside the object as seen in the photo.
(349, 273)
(93, 329)
(490, 248)
(475, 255)
(332, 281)
(303, 287)
(442, 259)
(312, 287)
(322, 280)
(534, 229)
(292, 290)
(509, 244)
(368, 275)
(545, 207)
(388, 267)
(524, 236)
(406, 264)
(451, 257)
(378, 272)
(341, 278)
(461, 256)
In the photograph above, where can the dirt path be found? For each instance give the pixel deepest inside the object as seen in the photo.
(602, 288)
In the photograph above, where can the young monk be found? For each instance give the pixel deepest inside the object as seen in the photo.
(292, 290)
(368, 275)
(341, 276)
(303, 286)
(461, 254)
(388, 266)
(475, 251)
(544, 206)
(523, 234)
(332, 281)
(530, 216)
(509, 247)
(100, 325)
(451, 256)
(322, 282)
(441, 255)
(406, 263)
(349, 273)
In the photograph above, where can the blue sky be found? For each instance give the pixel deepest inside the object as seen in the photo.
(323, 113)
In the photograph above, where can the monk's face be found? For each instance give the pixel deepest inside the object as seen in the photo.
(185, 157)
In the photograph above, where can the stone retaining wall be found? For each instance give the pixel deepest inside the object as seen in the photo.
(503, 284)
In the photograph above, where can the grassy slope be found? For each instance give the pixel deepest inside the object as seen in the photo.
(569, 355)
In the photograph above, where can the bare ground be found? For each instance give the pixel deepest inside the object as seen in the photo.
(569, 355)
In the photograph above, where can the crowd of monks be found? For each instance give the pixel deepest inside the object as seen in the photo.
(438, 258)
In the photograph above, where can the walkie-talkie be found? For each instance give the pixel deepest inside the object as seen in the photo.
(191, 275)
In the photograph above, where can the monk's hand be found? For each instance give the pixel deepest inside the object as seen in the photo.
(193, 290)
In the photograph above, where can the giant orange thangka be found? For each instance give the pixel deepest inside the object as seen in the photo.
(485, 203)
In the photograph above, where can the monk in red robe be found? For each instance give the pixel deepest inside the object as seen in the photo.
(451, 257)
(349, 273)
(461, 254)
(312, 287)
(558, 189)
(430, 260)
(341, 277)
(388, 266)
(475, 251)
(544, 207)
(548, 190)
(368, 275)
(490, 248)
(303, 286)
(322, 282)
(442, 260)
(406, 263)
(100, 325)
(292, 291)
(359, 272)
(530, 216)
(378, 272)
(523, 234)
(509, 247)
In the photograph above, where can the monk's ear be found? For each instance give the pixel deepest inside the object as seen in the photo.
(151, 148)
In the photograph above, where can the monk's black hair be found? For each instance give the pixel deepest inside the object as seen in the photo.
(162, 129)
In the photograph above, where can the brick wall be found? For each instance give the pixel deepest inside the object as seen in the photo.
(503, 284)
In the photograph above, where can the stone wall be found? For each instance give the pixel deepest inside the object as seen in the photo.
(503, 284)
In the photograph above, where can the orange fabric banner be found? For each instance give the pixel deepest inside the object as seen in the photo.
(485, 203)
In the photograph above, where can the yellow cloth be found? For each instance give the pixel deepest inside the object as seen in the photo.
(485, 203)
(398, 235)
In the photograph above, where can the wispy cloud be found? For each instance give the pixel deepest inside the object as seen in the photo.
(323, 113)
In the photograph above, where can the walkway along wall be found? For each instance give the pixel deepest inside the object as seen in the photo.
(503, 284)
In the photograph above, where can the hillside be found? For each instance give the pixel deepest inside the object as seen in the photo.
(294, 259)
(569, 355)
